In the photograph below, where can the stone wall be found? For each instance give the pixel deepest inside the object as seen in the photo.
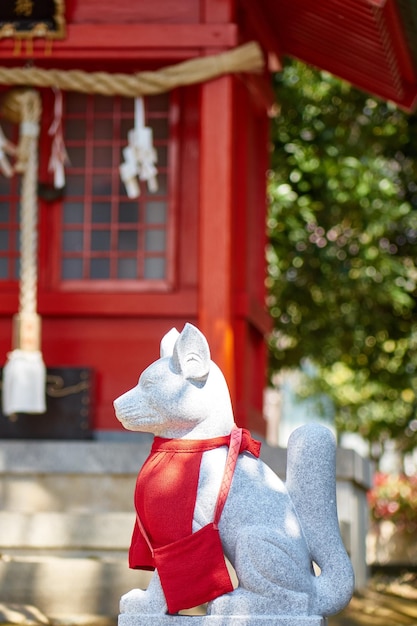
(66, 517)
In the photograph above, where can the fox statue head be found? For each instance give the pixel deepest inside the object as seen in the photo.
(181, 395)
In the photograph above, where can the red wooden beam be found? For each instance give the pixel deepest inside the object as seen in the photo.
(179, 304)
(135, 40)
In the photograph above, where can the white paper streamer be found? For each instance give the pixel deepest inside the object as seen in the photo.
(140, 156)
(59, 157)
(6, 148)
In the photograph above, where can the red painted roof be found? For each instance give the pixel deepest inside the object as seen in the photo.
(371, 44)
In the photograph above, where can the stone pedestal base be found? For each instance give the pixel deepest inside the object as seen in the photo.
(135, 619)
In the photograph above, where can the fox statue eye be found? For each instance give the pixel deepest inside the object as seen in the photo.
(146, 382)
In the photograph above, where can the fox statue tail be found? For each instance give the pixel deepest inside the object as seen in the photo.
(311, 483)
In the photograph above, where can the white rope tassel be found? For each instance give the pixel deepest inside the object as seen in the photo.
(24, 380)
(24, 374)
(139, 155)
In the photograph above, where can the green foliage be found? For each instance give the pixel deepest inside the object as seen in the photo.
(342, 265)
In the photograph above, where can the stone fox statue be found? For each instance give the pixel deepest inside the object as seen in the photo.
(272, 533)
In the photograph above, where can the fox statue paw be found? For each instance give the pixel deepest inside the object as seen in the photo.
(149, 602)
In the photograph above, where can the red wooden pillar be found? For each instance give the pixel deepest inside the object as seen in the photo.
(215, 256)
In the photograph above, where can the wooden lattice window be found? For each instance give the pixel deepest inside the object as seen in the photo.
(105, 236)
(98, 238)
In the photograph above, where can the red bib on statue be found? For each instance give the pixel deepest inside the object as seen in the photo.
(191, 566)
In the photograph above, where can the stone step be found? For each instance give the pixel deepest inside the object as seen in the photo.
(51, 531)
(27, 615)
(68, 586)
(74, 457)
(76, 493)
(73, 476)
(22, 614)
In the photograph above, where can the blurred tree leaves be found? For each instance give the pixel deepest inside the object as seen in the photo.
(342, 263)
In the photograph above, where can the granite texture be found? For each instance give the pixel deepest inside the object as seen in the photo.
(271, 532)
(132, 619)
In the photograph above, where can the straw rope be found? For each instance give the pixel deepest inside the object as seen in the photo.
(28, 154)
(24, 107)
(245, 58)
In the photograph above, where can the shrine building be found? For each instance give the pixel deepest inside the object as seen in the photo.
(133, 159)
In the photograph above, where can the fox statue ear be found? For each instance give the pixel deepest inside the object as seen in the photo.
(191, 355)
(168, 342)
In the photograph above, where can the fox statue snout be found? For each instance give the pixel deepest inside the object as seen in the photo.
(272, 533)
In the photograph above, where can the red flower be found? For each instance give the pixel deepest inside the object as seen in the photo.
(393, 497)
